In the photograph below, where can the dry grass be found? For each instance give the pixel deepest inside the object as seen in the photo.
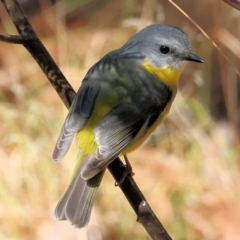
(189, 169)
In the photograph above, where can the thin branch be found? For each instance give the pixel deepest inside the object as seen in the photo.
(233, 3)
(145, 215)
(39, 52)
(16, 39)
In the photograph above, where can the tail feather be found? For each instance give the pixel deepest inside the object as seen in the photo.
(76, 204)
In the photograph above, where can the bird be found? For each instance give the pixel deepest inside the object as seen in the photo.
(122, 99)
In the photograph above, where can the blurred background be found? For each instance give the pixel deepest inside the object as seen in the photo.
(189, 169)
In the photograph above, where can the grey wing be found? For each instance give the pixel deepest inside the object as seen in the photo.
(79, 113)
(114, 133)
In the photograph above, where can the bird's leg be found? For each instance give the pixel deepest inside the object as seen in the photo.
(127, 171)
(128, 166)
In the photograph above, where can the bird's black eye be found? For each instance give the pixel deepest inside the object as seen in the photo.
(164, 49)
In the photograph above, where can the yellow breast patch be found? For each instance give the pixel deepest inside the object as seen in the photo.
(167, 75)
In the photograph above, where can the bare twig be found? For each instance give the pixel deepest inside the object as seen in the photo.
(145, 214)
(17, 39)
(39, 52)
(31, 42)
(233, 3)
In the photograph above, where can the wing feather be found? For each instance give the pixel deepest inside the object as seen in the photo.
(76, 119)
(114, 133)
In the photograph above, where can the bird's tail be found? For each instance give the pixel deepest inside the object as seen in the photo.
(76, 203)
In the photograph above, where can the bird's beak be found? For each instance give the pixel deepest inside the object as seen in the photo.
(194, 58)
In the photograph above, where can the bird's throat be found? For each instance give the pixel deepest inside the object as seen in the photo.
(167, 75)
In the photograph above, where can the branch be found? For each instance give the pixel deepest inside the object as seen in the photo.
(17, 39)
(39, 52)
(145, 214)
(233, 3)
(31, 42)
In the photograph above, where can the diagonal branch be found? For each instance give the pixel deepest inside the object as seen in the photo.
(233, 3)
(31, 42)
(39, 52)
(17, 39)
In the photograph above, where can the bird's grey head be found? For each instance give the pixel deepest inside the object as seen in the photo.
(163, 46)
